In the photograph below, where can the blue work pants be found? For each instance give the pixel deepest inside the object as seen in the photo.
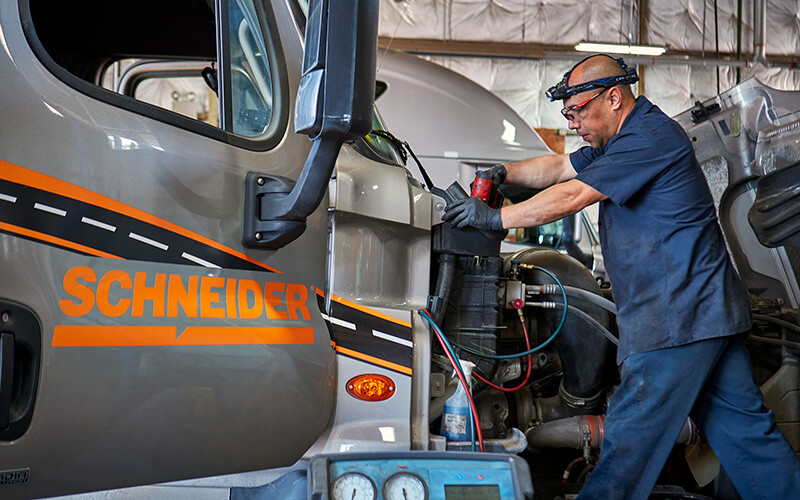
(712, 381)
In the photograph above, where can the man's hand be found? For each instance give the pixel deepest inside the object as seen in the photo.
(472, 212)
(498, 172)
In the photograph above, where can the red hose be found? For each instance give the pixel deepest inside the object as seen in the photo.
(464, 384)
(527, 372)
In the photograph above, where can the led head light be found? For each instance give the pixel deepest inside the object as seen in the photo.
(561, 90)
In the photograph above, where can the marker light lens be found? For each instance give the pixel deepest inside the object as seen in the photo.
(371, 387)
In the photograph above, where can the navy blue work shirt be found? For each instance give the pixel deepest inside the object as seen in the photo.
(672, 278)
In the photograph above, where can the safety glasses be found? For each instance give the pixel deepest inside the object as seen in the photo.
(570, 112)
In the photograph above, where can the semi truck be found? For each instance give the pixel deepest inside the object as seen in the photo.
(265, 302)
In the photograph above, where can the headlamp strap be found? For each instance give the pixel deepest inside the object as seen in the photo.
(561, 90)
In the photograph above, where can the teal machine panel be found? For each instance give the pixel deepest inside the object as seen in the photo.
(419, 475)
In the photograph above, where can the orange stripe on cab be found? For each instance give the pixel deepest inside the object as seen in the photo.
(374, 360)
(113, 336)
(123, 336)
(365, 309)
(245, 335)
(38, 180)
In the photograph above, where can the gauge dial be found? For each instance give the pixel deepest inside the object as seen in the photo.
(405, 486)
(353, 486)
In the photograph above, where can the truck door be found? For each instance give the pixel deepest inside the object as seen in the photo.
(140, 340)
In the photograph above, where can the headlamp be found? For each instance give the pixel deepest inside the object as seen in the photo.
(561, 90)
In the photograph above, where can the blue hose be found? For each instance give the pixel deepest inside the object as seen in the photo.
(456, 366)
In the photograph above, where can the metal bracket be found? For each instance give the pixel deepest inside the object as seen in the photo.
(271, 233)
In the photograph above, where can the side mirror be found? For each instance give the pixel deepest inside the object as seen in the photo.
(337, 91)
(334, 104)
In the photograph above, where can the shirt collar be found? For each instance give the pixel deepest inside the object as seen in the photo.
(641, 107)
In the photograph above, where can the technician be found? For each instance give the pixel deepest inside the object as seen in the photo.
(683, 313)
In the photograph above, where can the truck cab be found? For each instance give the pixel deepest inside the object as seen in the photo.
(149, 336)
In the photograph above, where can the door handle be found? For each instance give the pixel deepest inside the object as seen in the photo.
(6, 377)
(20, 361)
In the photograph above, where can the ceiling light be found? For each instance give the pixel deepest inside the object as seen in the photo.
(618, 48)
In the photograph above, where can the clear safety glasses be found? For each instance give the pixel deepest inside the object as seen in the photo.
(571, 112)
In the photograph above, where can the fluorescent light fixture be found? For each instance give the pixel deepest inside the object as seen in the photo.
(618, 48)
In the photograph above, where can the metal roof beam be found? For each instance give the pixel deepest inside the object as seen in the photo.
(533, 50)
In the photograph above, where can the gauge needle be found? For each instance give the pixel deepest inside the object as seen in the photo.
(404, 493)
(354, 494)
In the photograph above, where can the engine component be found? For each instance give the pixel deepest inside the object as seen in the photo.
(582, 349)
(493, 412)
(579, 431)
(473, 314)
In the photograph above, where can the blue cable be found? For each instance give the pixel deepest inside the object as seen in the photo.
(540, 346)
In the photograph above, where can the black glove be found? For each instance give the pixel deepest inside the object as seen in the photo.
(472, 212)
(498, 172)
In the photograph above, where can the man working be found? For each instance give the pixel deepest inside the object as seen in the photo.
(683, 312)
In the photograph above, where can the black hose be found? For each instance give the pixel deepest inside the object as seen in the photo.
(444, 285)
(780, 322)
(593, 322)
(584, 474)
(767, 340)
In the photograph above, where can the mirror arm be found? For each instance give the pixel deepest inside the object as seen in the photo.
(312, 185)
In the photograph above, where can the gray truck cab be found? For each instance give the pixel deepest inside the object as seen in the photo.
(157, 323)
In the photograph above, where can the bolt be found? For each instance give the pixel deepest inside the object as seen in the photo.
(258, 236)
(260, 181)
(6, 317)
(439, 206)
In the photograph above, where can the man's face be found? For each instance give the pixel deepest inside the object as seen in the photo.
(588, 116)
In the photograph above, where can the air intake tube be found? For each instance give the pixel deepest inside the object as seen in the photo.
(586, 431)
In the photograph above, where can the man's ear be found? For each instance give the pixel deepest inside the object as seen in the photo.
(615, 97)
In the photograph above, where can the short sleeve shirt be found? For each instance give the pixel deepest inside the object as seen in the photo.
(672, 278)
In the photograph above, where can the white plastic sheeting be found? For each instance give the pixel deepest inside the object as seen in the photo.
(551, 21)
(679, 24)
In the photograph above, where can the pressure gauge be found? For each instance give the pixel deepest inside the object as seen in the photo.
(354, 486)
(405, 486)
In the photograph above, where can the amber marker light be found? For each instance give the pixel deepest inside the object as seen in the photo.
(371, 387)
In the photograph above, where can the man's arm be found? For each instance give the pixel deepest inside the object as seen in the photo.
(555, 202)
(564, 195)
(540, 172)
